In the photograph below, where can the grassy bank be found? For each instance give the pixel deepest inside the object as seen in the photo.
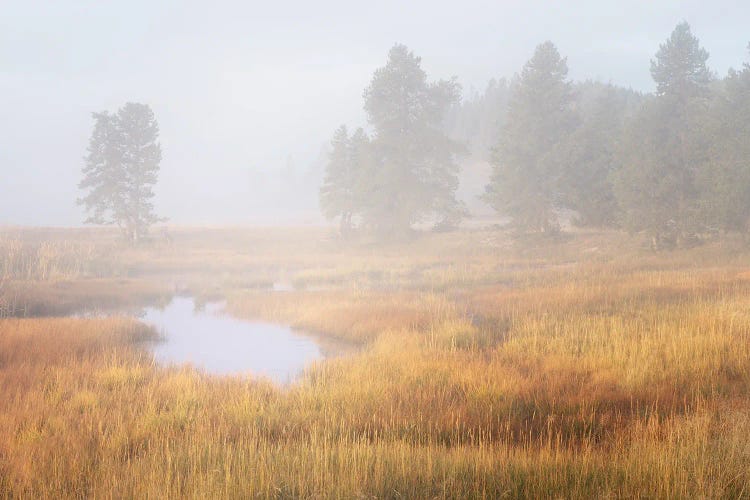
(486, 368)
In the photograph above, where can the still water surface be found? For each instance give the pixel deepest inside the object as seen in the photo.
(220, 344)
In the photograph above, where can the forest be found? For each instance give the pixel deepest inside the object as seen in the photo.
(672, 165)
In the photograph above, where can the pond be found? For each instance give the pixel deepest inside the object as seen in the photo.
(220, 344)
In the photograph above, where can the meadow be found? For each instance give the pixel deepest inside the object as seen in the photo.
(486, 366)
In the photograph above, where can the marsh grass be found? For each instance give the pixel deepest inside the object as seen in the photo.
(478, 375)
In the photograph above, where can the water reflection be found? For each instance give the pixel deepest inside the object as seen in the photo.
(224, 345)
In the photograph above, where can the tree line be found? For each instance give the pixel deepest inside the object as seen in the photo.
(674, 164)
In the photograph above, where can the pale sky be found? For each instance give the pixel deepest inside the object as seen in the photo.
(240, 87)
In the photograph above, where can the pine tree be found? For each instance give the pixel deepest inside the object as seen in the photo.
(342, 192)
(527, 171)
(724, 180)
(415, 174)
(476, 121)
(664, 146)
(121, 169)
(102, 174)
(590, 153)
(679, 67)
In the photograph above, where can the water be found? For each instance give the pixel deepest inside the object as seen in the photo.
(223, 345)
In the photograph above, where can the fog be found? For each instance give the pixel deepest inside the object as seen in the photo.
(245, 91)
(342, 249)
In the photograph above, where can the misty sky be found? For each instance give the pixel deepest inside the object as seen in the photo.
(243, 89)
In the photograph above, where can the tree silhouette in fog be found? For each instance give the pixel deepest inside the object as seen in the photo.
(415, 174)
(528, 167)
(406, 173)
(344, 185)
(121, 169)
(665, 145)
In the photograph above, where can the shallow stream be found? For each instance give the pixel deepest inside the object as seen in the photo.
(220, 344)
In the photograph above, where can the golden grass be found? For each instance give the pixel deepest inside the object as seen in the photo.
(484, 371)
(81, 296)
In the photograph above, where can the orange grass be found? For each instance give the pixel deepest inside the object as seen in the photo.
(478, 374)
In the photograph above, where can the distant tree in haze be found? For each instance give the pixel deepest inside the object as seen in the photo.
(679, 67)
(664, 147)
(477, 120)
(414, 176)
(102, 175)
(121, 169)
(343, 192)
(724, 179)
(590, 152)
(528, 167)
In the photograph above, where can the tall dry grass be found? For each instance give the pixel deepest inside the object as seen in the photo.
(485, 372)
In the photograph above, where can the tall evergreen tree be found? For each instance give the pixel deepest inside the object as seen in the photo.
(663, 146)
(590, 152)
(121, 169)
(679, 67)
(476, 121)
(724, 179)
(526, 178)
(415, 175)
(342, 194)
(102, 172)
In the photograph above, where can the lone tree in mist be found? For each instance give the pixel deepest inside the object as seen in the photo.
(121, 169)
(342, 194)
(527, 164)
(665, 145)
(415, 175)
